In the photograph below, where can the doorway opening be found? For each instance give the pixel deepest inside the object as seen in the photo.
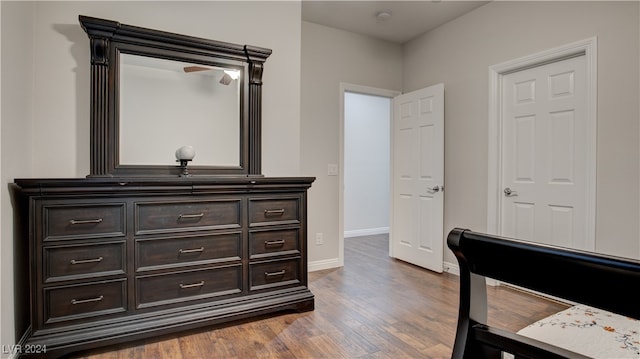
(366, 164)
(365, 155)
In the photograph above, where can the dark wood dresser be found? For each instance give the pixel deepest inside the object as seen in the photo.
(114, 260)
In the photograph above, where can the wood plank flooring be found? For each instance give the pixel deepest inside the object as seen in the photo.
(373, 307)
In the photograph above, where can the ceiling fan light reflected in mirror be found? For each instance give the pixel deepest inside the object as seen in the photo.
(234, 74)
(227, 77)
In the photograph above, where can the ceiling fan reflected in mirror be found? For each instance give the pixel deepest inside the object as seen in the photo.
(227, 77)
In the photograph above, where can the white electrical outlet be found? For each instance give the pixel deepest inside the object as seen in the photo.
(319, 239)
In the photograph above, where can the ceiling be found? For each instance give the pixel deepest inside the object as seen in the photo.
(408, 19)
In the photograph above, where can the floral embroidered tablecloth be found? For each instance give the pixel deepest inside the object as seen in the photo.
(589, 331)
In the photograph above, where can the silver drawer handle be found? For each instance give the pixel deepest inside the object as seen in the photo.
(82, 301)
(187, 216)
(279, 243)
(274, 212)
(274, 274)
(85, 221)
(193, 285)
(83, 261)
(195, 250)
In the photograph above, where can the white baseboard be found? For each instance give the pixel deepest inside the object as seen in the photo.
(366, 232)
(452, 268)
(334, 263)
(323, 264)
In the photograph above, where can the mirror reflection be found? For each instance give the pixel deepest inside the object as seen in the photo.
(167, 104)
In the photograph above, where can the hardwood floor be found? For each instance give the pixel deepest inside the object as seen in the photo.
(373, 307)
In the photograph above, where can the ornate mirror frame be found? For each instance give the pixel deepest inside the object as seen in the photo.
(110, 38)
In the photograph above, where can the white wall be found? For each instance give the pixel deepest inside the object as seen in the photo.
(45, 90)
(366, 164)
(15, 153)
(329, 57)
(459, 54)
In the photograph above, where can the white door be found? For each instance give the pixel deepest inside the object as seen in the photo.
(417, 177)
(544, 169)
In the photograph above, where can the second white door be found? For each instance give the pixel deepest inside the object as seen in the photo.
(417, 178)
(544, 169)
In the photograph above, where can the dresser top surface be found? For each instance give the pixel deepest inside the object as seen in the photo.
(195, 184)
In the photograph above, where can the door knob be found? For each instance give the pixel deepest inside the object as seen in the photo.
(434, 189)
(509, 193)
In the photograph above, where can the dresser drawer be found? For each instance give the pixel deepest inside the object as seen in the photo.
(274, 274)
(83, 261)
(83, 220)
(274, 242)
(84, 301)
(274, 211)
(158, 217)
(158, 253)
(189, 285)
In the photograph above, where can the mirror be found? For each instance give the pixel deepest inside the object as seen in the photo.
(166, 104)
(153, 92)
